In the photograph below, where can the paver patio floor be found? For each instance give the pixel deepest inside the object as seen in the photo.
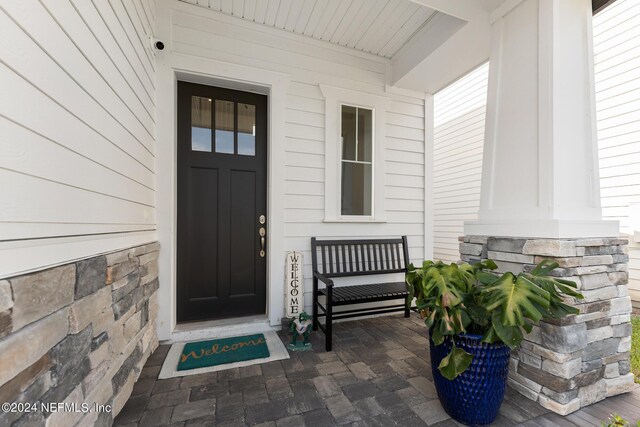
(377, 375)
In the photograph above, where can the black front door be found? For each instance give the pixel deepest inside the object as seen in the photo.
(222, 202)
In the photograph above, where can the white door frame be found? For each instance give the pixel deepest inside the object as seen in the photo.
(172, 67)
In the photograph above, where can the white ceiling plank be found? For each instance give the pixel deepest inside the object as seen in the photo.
(351, 19)
(261, 11)
(327, 15)
(249, 9)
(283, 13)
(215, 5)
(355, 33)
(314, 19)
(392, 19)
(226, 6)
(238, 8)
(392, 30)
(272, 12)
(294, 15)
(305, 14)
(338, 17)
(375, 25)
(405, 33)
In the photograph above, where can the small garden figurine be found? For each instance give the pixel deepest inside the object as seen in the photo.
(300, 327)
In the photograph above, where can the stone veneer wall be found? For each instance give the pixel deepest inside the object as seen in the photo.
(80, 332)
(579, 360)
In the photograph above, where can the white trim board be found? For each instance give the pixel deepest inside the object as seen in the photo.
(277, 351)
(25, 256)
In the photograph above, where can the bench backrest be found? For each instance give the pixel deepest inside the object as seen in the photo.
(341, 258)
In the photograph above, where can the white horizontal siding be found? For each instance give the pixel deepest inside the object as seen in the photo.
(77, 129)
(616, 32)
(459, 112)
(204, 33)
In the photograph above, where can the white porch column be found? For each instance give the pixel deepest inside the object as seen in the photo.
(540, 170)
(540, 199)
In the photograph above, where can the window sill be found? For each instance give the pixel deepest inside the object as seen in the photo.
(355, 220)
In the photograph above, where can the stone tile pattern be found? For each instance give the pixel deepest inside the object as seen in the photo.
(78, 333)
(379, 374)
(571, 363)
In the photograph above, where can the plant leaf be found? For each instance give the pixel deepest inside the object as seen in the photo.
(439, 290)
(555, 287)
(511, 335)
(430, 319)
(455, 363)
(487, 264)
(490, 336)
(436, 336)
(514, 299)
(545, 267)
(478, 314)
(486, 278)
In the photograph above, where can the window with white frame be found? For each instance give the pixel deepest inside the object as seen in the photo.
(356, 130)
(354, 155)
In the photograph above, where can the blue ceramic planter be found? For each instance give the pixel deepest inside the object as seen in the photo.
(475, 396)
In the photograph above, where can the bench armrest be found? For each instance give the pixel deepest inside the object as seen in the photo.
(323, 278)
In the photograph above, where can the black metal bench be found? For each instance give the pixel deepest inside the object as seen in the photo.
(347, 258)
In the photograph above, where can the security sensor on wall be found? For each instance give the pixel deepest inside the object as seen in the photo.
(156, 43)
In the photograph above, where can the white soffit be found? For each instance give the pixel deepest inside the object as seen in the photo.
(379, 27)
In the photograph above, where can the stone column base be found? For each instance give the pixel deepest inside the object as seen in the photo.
(579, 360)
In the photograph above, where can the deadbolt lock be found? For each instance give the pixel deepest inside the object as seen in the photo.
(262, 219)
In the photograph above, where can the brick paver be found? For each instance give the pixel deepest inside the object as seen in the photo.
(379, 374)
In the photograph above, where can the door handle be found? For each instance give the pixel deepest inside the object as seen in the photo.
(263, 239)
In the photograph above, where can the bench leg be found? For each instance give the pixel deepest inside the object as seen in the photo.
(407, 308)
(314, 312)
(328, 327)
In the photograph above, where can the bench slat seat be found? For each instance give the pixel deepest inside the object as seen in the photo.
(367, 293)
(357, 257)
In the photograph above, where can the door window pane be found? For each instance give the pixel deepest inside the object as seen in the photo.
(348, 132)
(357, 161)
(200, 124)
(225, 127)
(246, 129)
(356, 189)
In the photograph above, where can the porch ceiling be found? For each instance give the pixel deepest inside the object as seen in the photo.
(379, 27)
(416, 36)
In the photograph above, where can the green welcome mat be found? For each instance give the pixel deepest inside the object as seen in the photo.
(221, 351)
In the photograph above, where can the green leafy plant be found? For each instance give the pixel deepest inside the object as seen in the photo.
(635, 347)
(617, 421)
(462, 298)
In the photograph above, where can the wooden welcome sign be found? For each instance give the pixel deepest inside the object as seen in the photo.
(294, 297)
